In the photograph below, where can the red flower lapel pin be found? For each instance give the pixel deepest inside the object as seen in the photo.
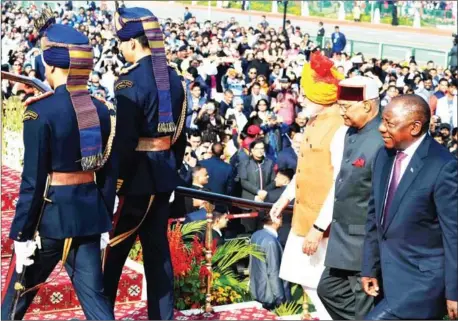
(359, 162)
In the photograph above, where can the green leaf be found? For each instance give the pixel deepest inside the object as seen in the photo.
(288, 308)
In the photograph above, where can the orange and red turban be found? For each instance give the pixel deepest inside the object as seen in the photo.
(320, 79)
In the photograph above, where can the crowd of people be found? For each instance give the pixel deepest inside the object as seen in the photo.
(243, 88)
(246, 114)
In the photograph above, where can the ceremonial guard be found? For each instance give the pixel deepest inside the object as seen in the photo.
(68, 184)
(151, 104)
(312, 186)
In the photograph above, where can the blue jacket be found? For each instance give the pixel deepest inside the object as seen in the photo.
(287, 158)
(146, 173)
(415, 251)
(52, 144)
(338, 42)
(265, 283)
(221, 177)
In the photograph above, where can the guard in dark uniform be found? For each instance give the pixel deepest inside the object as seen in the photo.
(68, 182)
(340, 287)
(151, 106)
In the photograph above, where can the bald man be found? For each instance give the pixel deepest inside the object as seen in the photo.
(410, 249)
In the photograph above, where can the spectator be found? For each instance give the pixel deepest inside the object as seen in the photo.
(453, 64)
(209, 119)
(220, 173)
(273, 135)
(442, 89)
(284, 105)
(287, 158)
(265, 283)
(257, 178)
(219, 223)
(446, 107)
(338, 40)
(195, 104)
(187, 15)
(251, 100)
(236, 114)
(226, 103)
(282, 180)
(199, 180)
(259, 116)
(320, 35)
(189, 162)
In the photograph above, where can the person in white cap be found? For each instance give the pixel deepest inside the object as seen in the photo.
(340, 287)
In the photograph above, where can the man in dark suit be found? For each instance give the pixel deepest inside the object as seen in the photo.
(68, 182)
(359, 102)
(265, 283)
(411, 231)
(282, 179)
(221, 173)
(287, 158)
(151, 95)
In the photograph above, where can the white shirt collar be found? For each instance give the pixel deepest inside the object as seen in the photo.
(218, 231)
(271, 230)
(409, 151)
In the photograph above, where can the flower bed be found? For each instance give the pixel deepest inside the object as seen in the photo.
(191, 274)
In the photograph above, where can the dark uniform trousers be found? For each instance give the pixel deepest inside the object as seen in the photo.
(342, 294)
(84, 266)
(156, 253)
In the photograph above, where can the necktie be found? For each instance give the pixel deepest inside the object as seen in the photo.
(395, 178)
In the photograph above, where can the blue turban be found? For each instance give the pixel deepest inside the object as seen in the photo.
(132, 23)
(134, 27)
(59, 56)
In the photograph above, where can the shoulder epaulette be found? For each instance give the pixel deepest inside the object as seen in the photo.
(34, 99)
(125, 71)
(109, 145)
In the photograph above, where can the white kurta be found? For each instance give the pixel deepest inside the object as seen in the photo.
(297, 267)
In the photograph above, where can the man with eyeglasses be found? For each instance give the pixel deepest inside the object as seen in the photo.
(358, 100)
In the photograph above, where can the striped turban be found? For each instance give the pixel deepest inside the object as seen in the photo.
(135, 22)
(66, 48)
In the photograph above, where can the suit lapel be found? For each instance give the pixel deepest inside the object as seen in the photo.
(411, 172)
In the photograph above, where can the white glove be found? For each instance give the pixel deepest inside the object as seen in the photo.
(104, 240)
(116, 203)
(23, 251)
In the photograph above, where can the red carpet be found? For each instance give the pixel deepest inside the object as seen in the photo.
(138, 311)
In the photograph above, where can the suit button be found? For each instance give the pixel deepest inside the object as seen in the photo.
(352, 141)
(347, 160)
(335, 199)
(298, 171)
(302, 154)
(18, 238)
(340, 180)
(334, 220)
(297, 201)
(20, 233)
(297, 186)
